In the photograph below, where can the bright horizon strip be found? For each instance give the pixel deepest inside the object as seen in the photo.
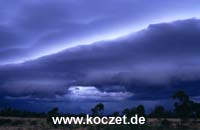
(106, 37)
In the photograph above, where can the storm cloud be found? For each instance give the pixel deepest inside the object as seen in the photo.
(32, 29)
(86, 51)
(160, 59)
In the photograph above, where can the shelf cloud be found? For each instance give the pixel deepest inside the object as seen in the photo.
(157, 58)
(122, 51)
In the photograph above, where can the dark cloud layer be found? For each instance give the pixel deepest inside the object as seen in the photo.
(30, 29)
(53, 53)
(149, 65)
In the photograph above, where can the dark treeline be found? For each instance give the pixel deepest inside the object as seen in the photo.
(9, 112)
(184, 108)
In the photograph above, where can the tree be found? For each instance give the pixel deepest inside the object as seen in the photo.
(158, 112)
(127, 112)
(52, 113)
(196, 109)
(181, 96)
(98, 110)
(115, 114)
(183, 106)
(140, 110)
(94, 112)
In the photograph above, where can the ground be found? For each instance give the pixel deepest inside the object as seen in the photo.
(12, 123)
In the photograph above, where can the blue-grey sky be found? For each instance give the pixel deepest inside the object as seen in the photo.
(35, 28)
(88, 51)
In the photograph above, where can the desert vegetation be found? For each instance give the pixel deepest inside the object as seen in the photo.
(184, 116)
